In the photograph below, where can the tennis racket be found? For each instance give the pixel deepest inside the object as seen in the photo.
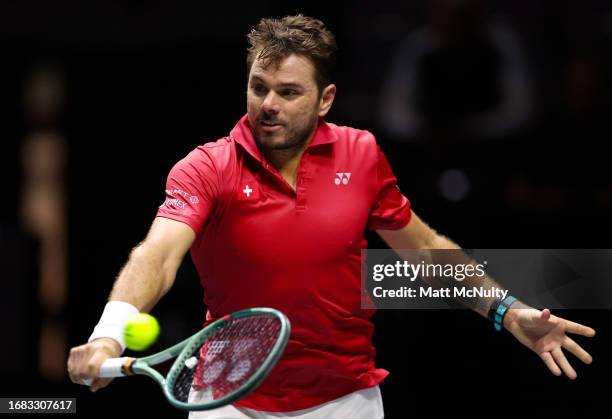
(218, 365)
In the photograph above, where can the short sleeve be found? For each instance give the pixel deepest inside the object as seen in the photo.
(192, 188)
(391, 210)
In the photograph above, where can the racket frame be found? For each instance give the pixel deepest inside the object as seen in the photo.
(186, 348)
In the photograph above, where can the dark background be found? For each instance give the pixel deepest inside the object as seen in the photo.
(146, 82)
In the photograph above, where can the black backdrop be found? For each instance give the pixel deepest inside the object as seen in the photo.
(147, 82)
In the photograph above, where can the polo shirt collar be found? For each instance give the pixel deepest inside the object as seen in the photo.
(243, 135)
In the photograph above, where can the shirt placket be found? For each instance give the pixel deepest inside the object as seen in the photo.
(279, 178)
(301, 182)
(299, 193)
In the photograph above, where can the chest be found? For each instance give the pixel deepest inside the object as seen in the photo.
(324, 216)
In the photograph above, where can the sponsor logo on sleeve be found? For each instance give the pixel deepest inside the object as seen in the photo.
(176, 199)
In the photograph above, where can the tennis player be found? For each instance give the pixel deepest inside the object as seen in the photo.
(274, 215)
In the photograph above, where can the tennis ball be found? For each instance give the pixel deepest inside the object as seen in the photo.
(141, 331)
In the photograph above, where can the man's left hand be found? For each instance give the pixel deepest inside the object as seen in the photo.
(546, 335)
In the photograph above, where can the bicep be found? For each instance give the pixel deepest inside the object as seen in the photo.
(152, 266)
(415, 235)
(171, 239)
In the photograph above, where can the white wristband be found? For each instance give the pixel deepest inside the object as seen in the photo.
(113, 321)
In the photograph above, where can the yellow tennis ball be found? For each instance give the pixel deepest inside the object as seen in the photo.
(141, 331)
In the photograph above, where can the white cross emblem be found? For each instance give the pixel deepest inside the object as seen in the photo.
(247, 191)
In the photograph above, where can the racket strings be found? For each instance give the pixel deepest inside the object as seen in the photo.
(182, 385)
(227, 359)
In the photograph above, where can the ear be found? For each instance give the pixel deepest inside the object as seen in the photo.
(327, 98)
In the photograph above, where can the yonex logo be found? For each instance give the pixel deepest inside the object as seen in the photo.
(342, 178)
(173, 202)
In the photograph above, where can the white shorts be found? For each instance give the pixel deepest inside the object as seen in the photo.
(362, 404)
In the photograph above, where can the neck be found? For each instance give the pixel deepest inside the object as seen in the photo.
(287, 161)
(287, 158)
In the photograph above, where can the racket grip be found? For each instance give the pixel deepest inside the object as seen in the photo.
(113, 367)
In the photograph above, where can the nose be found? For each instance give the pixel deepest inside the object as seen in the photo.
(270, 104)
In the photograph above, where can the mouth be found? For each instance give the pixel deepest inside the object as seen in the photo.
(270, 126)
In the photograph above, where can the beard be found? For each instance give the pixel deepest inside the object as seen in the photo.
(294, 137)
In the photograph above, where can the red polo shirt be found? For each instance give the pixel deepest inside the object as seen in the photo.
(261, 243)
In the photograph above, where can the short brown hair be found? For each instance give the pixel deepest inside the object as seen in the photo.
(273, 40)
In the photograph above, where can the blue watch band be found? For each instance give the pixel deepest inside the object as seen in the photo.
(500, 312)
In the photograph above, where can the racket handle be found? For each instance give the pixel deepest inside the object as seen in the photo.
(112, 367)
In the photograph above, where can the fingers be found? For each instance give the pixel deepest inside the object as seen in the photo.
(554, 358)
(577, 350)
(84, 364)
(78, 358)
(545, 314)
(93, 370)
(579, 329)
(536, 317)
(550, 363)
(562, 361)
(570, 326)
(557, 363)
(99, 383)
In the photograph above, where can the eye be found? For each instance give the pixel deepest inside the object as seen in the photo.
(289, 92)
(259, 89)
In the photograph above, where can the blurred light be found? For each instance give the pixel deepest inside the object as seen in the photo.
(454, 185)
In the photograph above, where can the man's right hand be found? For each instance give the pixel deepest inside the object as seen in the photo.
(85, 361)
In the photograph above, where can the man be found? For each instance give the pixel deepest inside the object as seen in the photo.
(274, 215)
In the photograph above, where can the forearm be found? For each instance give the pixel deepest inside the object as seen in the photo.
(144, 279)
(479, 304)
(417, 242)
